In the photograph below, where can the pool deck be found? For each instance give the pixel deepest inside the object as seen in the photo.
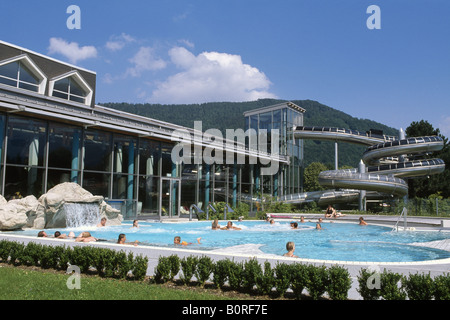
(435, 267)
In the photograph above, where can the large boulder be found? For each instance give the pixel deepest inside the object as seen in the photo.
(50, 212)
(12, 217)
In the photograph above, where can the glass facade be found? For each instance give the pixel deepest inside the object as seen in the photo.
(43, 143)
(283, 118)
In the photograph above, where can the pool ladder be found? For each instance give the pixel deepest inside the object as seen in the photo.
(404, 214)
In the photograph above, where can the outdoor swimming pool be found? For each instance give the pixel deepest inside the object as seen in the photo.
(336, 241)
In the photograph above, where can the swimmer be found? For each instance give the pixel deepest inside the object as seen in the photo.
(290, 247)
(302, 219)
(177, 241)
(102, 222)
(122, 238)
(42, 234)
(294, 225)
(318, 226)
(85, 237)
(362, 222)
(135, 224)
(230, 227)
(215, 225)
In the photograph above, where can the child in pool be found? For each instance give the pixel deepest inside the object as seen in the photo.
(177, 241)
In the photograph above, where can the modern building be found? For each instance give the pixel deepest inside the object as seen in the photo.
(51, 131)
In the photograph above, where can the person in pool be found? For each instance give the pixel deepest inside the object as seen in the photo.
(230, 227)
(215, 225)
(123, 238)
(290, 247)
(177, 241)
(85, 237)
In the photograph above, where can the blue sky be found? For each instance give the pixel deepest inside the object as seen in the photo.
(194, 51)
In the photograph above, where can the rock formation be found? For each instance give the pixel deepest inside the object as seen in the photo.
(48, 210)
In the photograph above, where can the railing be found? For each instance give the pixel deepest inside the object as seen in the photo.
(404, 214)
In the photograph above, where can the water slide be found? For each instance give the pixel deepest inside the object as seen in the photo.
(385, 162)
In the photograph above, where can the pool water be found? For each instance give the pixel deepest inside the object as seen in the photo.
(336, 241)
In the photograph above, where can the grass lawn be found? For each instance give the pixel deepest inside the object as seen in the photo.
(18, 283)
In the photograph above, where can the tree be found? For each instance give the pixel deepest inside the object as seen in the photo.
(425, 186)
(312, 176)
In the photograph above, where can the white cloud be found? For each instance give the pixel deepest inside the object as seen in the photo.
(72, 50)
(211, 76)
(145, 60)
(118, 42)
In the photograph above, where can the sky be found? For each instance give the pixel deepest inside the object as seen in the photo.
(390, 64)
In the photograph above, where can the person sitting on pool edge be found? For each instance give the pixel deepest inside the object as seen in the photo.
(230, 227)
(290, 247)
(177, 241)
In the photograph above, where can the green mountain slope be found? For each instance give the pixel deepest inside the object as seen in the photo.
(229, 115)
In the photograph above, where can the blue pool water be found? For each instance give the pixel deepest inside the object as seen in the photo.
(336, 241)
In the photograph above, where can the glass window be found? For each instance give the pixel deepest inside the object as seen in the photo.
(123, 186)
(16, 74)
(265, 121)
(23, 181)
(149, 157)
(124, 154)
(148, 195)
(26, 141)
(97, 146)
(64, 146)
(97, 183)
(169, 169)
(69, 89)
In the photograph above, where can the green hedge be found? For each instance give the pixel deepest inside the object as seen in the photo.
(393, 286)
(335, 281)
(251, 277)
(105, 262)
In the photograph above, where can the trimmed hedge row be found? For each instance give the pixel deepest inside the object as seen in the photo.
(103, 261)
(394, 286)
(250, 277)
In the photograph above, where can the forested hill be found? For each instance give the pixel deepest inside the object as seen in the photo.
(229, 115)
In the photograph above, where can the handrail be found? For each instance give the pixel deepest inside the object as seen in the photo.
(404, 215)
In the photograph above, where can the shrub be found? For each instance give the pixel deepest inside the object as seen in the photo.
(139, 268)
(15, 251)
(266, 282)
(419, 286)
(104, 262)
(188, 267)
(339, 283)
(220, 274)
(31, 254)
(64, 258)
(162, 272)
(252, 272)
(363, 289)
(299, 278)
(442, 287)
(391, 286)
(282, 278)
(174, 262)
(205, 267)
(4, 250)
(48, 258)
(317, 281)
(235, 274)
(123, 263)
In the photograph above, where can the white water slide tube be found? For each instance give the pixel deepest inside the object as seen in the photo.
(387, 160)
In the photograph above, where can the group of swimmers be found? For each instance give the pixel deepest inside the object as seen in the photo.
(87, 237)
